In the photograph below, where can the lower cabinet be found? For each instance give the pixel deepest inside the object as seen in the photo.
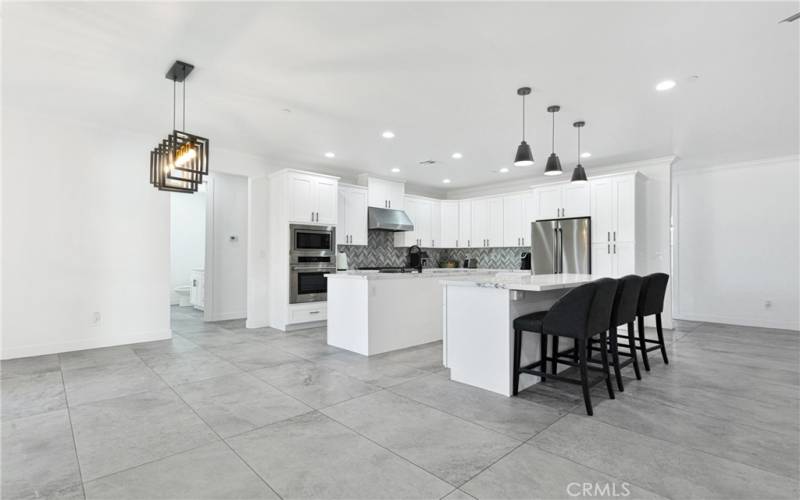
(304, 313)
(614, 259)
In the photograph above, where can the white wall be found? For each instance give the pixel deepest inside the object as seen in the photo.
(258, 252)
(737, 243)
(226, 257)
(187, 238)
(83, 232)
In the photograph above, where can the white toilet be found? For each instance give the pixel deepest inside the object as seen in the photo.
(183, 295)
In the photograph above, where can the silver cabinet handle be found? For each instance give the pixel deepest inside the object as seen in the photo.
(390, 203)
(468, 241)
(608, 238)
(615, 236)
(609, 248)
(313, 312)
(456, 243)
(615, 248)
(433, 243)
(312, 216)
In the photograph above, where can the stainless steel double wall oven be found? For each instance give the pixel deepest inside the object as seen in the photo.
(312, 255)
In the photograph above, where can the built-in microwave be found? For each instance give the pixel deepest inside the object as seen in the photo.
(316, 240)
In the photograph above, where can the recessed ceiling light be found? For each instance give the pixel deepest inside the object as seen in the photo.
(665, 85)
(446, 181)
(504, 170)
(586, 154)
(330, 154)
(457, 156)
(395, 170)
(388, 134)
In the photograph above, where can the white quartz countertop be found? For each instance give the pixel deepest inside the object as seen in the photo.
(438, 273)
(524, 282)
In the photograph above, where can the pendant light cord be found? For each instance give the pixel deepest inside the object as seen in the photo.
(553, 130)
(184, 98)
(174, 93)
(579, 144)
(523, 118)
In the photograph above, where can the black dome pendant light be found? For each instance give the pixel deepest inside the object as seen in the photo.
(579, 174)
(524, 156)
(553, 163)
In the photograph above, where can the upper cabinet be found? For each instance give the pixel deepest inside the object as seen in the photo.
(385, 194)
(450, 224)
(425, 214)
(519, 210)
(464, 224)
(312, 198)
(558, 201)
(487, 222)
(351, 227)
(616, 210)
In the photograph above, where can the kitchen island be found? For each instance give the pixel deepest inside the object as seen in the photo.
(371, 313)
(478, 334)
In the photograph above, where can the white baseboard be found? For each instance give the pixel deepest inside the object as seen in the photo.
(79, 345)
(226, 316)
(739, 320)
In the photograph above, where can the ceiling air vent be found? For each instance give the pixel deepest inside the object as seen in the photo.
(427, 163)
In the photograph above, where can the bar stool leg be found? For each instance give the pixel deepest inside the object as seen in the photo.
(517, 359)
(543, 355)
(587, 400)
(643, 344)
(615, 357)
(661, 338)
(606, 371)
(632, 345)
(554, 369)
(575, 351)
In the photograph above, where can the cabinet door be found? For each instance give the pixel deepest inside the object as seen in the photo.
(326, 194)
(494, 227)
(624, 208)
(422, 224)
(480, 218)
(395, 194)
(302, 204)
(341, 218)
(549, 202)
(465, 224)
(408, 238)
(624, 253)
(356, 216)
(575, 199)
(377, 194)
(602, 260)
(436, 224)
(528, 216)
(449, 225)
(601, 194)
(512, 221)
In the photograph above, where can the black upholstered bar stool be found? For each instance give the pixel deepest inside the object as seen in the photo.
(626, 302)
(651, 301)
(580, 314)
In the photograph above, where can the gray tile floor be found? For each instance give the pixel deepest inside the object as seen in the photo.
(220, 411)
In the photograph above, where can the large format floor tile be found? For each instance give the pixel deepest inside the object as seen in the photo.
(514, 417)
(311, 457)
(94, 383)
(26, 395)
(315, 385)
(209, 472)
(115, 434)
(33, 365)
(97, 357)
(529, 472)
(38, 457)
(236, 403)
(426, 357)
(373, 370)
(449, 447)
(252, 355)
(190, 366)
(668, 469)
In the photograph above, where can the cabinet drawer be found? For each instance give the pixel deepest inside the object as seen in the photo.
(312, 312)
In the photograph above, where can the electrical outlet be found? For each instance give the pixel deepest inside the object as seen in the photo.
(767, 304)
(96, 317)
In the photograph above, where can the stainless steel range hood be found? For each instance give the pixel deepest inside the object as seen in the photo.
(387, 219)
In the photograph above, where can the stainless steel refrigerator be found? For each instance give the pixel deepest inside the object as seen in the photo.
(561, 246)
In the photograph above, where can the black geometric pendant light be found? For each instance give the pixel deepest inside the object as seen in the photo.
(180, 161)
(579, 174)
(553, 166)
(524, 157)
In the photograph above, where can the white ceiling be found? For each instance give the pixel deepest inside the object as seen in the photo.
(442, 76)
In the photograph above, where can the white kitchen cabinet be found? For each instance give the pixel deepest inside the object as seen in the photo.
(312, 198)
(487, 222)
(351, 227)
(465, 224)
(562, 200)
(450, 224)
(518, 212)
(386, 194)
(616, 211)
(426, 217)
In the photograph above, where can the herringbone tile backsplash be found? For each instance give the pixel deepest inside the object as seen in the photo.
(381, 252)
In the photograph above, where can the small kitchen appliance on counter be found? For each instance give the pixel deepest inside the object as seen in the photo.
(417, 259)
